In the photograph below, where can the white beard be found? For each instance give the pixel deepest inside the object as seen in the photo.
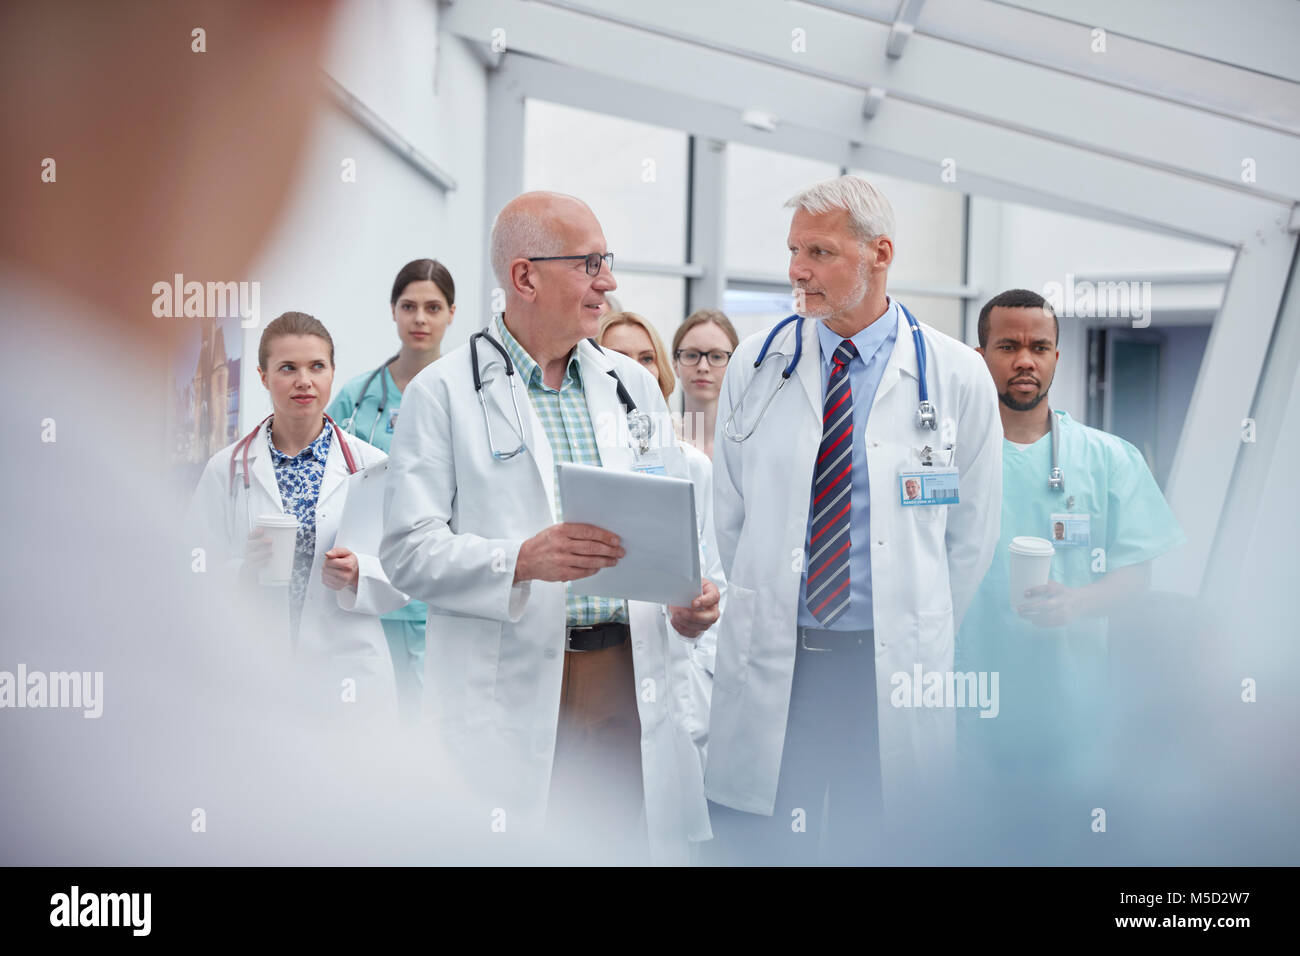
(828, 310)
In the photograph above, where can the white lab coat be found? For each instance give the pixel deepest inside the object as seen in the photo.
(455, 519)
(340, 635)
(698, 669)
(926, 562)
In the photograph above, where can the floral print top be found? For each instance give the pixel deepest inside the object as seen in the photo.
(299, 479)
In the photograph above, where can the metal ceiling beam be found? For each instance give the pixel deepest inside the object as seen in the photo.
(1211, 440)
(1128, 63)
(823, 119)
(903, 26)
(1256, 35)
(961, 80)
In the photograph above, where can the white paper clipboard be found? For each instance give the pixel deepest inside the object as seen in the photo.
(362, 524)
(654, 518)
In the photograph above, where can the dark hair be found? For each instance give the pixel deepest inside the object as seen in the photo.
(291, 323)
(699, 317)
(1013, 299)
(424, 270)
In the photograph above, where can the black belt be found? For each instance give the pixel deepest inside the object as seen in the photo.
(816, 639)
(596, 637)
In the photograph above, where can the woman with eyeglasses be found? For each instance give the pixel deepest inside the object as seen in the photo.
(635, 337)
(702, 347)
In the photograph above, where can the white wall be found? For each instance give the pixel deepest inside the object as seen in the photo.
(339, 246)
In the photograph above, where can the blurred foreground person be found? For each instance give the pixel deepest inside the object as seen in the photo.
(179, 746)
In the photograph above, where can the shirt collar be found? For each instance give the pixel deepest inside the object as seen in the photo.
(528, 369)
(318, 449)
(867, 342)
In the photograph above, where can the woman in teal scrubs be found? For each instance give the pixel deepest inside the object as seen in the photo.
(423, 303)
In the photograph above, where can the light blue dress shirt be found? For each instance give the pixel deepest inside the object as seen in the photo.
(875, 344)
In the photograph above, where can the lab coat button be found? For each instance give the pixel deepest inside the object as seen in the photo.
(549, 653)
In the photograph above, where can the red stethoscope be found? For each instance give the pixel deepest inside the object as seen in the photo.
(246, 442)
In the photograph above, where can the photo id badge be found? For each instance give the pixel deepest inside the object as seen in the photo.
(1070, 530)
(649, 462)
(392, 422)
(928, 486)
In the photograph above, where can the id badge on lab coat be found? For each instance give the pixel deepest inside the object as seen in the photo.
(649, 462)
(1070, 530)
(934, 485)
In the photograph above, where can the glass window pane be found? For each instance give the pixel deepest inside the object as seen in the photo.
(633, 175)
(660, 299)
(752, 312)
(943, 313)
(930, 222)
(759, 181)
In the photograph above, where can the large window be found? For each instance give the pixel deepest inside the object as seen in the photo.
(759, 181)
(633, 175)
(661, 299)
(930, 230)
(929, 248)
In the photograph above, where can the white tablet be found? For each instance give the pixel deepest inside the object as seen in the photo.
(654, 518)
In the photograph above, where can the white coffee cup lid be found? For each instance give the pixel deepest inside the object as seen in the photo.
(277, 521)
(1029, 545)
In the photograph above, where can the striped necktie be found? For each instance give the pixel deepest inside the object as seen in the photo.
(828, 544)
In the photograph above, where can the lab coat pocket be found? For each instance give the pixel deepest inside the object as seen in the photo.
(929, 513)
(735, 636)
(934, 643)
(462, 658)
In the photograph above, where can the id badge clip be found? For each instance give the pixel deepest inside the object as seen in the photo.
(930, 484)
(649, 462)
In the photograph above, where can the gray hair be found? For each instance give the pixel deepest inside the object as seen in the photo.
(518, 231)
(869, 211)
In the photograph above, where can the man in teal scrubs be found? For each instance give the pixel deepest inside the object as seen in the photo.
(1106, 523)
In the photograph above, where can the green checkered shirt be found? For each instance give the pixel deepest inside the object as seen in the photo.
(568, 428)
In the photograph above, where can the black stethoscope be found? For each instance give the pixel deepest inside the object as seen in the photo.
(350, 422)
(639, 425)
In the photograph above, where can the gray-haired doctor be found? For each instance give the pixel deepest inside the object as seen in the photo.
(844, 588)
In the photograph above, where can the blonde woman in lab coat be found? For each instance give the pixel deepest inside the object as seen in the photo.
(297, 462)
(633, 336)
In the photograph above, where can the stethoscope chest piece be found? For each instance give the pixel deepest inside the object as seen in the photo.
(926, 417)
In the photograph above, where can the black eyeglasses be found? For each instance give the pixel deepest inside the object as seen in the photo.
(717, 358)
(593, 261)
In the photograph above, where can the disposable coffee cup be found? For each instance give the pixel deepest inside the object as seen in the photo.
(1031, 565)
(282, 530)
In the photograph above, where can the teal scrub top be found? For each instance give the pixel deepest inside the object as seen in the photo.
(1052, 679)
(349, 402)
